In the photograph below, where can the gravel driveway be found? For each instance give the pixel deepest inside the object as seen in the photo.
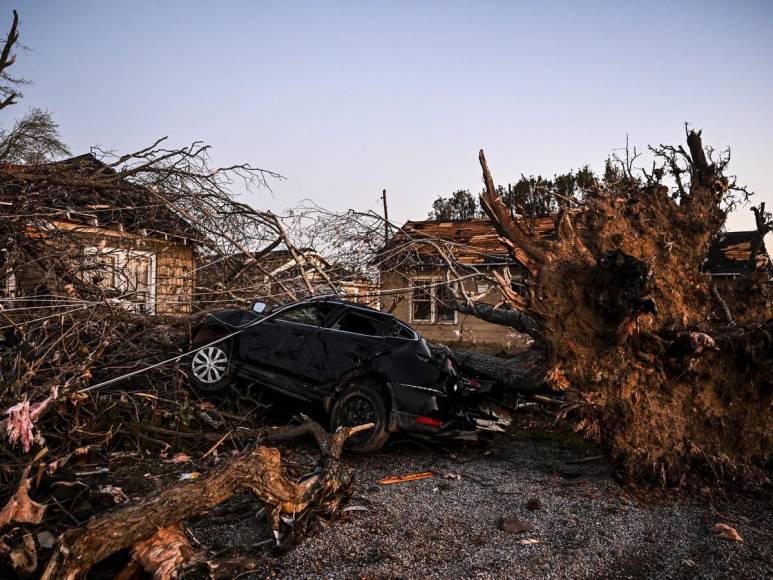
(583, 524)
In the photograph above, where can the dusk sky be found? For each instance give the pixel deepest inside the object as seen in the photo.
(347, 98)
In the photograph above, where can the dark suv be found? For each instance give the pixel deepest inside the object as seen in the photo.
(361, 365)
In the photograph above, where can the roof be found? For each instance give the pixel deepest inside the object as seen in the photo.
(342, 302)
(126, 206)
(474, 241)
(730, 254)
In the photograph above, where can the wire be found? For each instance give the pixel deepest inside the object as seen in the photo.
(178, 357)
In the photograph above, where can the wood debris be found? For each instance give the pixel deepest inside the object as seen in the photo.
(20, 508)
(406, 478)
(726, 532)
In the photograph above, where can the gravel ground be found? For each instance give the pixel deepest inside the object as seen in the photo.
(586, 524)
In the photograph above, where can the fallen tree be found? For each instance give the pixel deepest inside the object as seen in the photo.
(291, 506)
(626, 323)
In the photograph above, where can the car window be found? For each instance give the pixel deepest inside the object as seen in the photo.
(361, 323)
(312, 314)
(400, 330)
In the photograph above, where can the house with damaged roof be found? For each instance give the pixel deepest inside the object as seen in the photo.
(85, 240)
(738, 253)
(413, 274)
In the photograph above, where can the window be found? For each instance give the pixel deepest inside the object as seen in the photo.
(361, 323)
(311, 314)
(444, 304)
(421, 308)
(432, 301)
(482, 286)
(519, 288)
(8, 286)
(99, 269)
(131, 274)
(136, 278)
(399, 330)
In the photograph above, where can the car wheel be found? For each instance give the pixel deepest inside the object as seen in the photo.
(358, 405)
(210, 367)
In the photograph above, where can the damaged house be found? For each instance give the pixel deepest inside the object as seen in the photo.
(413, 275)
(742, 273)
(121, 244)
(737, 253)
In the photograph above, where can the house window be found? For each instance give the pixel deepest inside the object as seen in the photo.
(99, 268)
(421, 308)
(432, 302)
(136, 276)
(130, 273)
(8, 286)
(444, 305)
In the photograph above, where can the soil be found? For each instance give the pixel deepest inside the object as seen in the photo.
(583, 523)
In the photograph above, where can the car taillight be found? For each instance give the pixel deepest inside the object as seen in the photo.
(429, 421)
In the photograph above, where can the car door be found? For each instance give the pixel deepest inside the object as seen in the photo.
(279, 343)
(353, 339)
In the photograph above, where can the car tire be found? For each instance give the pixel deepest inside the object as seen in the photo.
(362, 403)
(210, 367)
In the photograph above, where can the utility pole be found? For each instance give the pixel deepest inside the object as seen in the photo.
(386, 217)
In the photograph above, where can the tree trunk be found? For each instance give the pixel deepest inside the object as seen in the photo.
(258, 471)
(521, 374)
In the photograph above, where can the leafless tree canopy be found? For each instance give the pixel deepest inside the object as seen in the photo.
(33, 139)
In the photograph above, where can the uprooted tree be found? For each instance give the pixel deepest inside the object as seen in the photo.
(625, 322)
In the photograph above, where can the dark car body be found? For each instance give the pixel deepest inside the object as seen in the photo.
(313, 350)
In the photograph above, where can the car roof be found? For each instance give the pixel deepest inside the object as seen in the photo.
(335, 300)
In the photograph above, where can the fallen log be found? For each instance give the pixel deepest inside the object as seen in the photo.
(520, 374)
(258, 471)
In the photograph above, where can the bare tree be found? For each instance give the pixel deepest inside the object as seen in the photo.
(33, 139)
(9, 89)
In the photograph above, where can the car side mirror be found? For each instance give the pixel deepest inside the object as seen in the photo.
(260, 307)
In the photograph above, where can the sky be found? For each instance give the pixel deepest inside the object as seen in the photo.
(345, 99)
